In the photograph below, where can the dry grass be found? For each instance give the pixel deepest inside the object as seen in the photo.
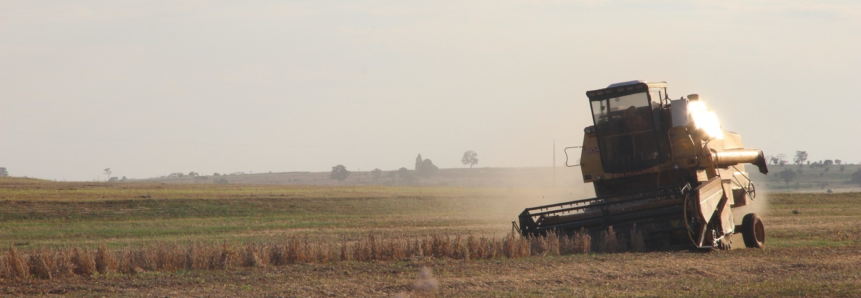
(369, 242)
(39, 266)
(638, 242)
(105, 261)
(83, 262)
(579, 243)
(15, 265)
(784, 272)
(80, 261)
(609, 241)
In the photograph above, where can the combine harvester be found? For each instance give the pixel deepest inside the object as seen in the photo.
(663, 166)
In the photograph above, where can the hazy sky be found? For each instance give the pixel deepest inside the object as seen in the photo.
(153, 87)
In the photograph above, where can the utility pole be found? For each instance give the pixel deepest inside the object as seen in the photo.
(554, 162)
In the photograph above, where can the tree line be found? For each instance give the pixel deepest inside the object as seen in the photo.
(800, 159)
(424, 168)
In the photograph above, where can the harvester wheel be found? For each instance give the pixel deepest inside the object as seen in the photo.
(753, 231)
(692, 224)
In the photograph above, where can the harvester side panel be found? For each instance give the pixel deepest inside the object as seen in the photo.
(709, 194)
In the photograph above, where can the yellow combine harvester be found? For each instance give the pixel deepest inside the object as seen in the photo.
(664, 165)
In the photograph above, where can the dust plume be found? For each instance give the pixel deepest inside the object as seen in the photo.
(513, 190)
(424, 286)
(759, 206)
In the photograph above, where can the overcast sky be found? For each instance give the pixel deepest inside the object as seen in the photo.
(147, 88)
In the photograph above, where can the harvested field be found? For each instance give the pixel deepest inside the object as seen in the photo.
(91, 239)
(802, 272)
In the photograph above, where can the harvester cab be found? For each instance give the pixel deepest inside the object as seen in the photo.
(660, 167)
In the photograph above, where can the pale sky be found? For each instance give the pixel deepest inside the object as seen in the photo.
(147, 88)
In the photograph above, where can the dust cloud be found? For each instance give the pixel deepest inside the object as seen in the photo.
(509, 191)
(759, 206)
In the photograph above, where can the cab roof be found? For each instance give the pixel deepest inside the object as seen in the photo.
(623, 88)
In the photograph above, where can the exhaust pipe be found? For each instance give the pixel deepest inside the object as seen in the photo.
(736, 156)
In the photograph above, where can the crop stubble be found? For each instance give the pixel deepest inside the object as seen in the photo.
(349, 241)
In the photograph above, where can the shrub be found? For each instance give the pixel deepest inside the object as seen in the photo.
(83, 263)
(105, 262)
(609, 242)
(16, 264)
(638, 242)
(39, 267)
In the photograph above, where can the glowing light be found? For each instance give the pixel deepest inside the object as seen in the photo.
(696, 106)
(705, 119)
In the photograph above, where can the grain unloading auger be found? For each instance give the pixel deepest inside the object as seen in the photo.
(663, 165)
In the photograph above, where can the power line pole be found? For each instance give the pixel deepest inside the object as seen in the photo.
(554, 162)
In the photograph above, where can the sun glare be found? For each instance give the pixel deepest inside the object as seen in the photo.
(705, 119)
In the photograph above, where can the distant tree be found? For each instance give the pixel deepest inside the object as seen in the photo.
(418, 162)
(838, 162)
(828, 162)
(777, 160)
(787, 175)
(216, 174)
(427, 169)
(3, 172)
(800, 157)
(339, 173)
(856, 177)
(108, 172)
(406, 176)
(842, 168)
(193, 174)
(124, 178)
(113, 179)
(782, 159)
(376, 173)
(469, 158)
(393, 175)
